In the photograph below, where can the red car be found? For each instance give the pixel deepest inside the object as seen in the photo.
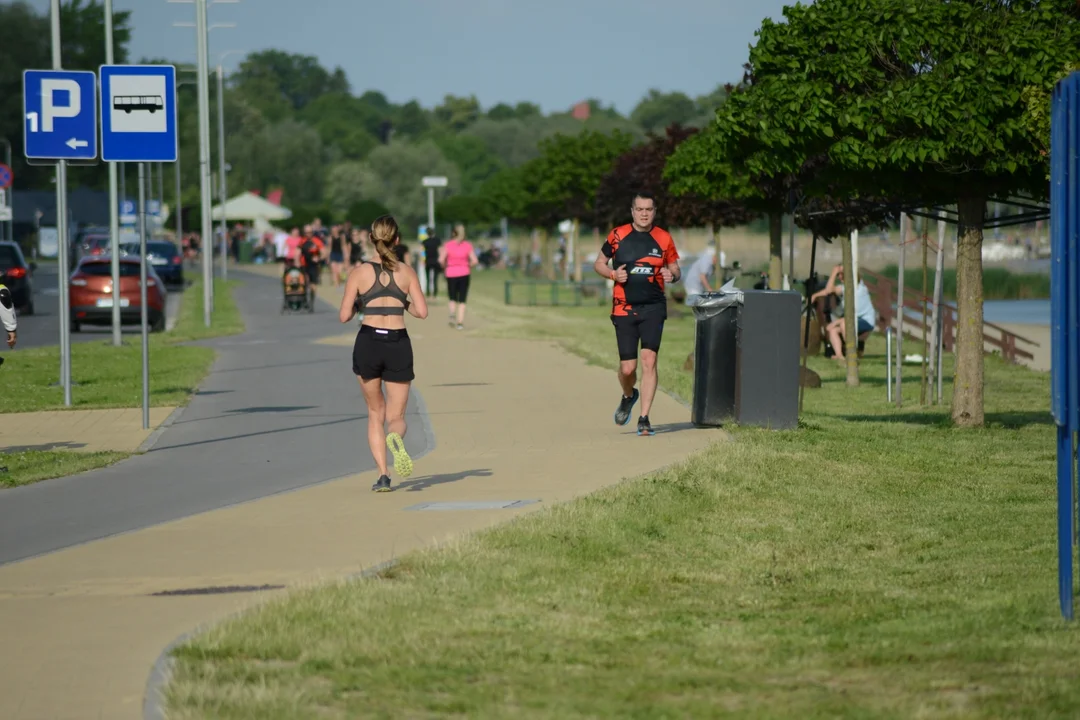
(90, 294)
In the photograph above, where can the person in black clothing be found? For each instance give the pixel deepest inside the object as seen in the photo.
(311, 251)
(356, 247)
(431, 262)
(382, 353)
(337, 254)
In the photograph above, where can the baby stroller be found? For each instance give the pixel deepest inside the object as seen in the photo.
(296, 290)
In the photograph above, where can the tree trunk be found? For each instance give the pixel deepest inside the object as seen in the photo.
(967, 404)
(776, 251)
(851, 340)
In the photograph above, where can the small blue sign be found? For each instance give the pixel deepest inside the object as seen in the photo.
(60, 115)
(127, 207)
(138, 113)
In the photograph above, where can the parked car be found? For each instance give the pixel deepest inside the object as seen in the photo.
(91, 299)
(94, 241)
(163, 256)
(17, 274)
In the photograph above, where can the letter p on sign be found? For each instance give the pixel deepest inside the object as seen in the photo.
(49, 108)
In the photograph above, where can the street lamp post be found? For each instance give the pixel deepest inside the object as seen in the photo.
(202, 41)
(179, 187)
(114, 201)
(222, 189)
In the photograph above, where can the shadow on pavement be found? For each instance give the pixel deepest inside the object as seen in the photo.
(294, 428)
(65, 445)
(422, 483)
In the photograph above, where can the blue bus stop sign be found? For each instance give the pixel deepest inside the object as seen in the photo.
(138, 113)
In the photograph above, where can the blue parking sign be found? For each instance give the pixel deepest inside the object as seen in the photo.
(60, 115)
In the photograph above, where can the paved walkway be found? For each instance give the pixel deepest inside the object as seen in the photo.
(118, 429)
(510, 420)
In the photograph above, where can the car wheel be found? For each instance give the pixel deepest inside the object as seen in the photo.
(158, 324)
(29, 309)
(75, 327)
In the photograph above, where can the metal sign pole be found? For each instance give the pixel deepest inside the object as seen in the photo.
(62, 231)
(142, 299)
(206, 244)
(222, 192)
(114, 204)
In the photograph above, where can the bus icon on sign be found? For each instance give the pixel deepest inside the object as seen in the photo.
(128, 103)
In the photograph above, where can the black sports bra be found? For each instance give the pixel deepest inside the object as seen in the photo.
(378, 290)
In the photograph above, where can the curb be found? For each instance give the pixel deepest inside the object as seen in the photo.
(152, 439)
(161, 672)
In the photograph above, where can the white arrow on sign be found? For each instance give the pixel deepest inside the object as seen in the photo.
(73, 143)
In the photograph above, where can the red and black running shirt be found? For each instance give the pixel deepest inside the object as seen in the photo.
(643, 254)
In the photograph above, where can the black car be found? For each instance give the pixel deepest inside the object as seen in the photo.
(166, 260)
(17, 275)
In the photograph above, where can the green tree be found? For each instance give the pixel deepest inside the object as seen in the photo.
(411, 120)
(467, 209)
(274, 79)
(922, 99)
(344, 123)
(570, 170)
(474, 160)
(286, 155)
(400, 168)
(509, 194)
(642, 168)
(349, 183)
(364, 212)
(514, 141)
(458, 112)
(658, 110)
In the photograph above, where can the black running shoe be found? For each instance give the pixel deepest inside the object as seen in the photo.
(644, 427)
(382, 484)
(622, 415)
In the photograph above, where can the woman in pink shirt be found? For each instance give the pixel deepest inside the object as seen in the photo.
(457, 258)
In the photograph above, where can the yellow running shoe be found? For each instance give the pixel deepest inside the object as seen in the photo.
(402, 461)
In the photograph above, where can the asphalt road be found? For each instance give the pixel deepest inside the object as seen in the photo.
(43, 327)
(277, 412)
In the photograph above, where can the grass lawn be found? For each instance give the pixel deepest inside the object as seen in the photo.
(24, 468)
(873, 563)
(108, 376)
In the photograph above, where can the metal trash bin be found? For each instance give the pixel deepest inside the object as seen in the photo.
(746, 358)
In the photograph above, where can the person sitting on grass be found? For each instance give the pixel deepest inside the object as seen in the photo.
(865, 313)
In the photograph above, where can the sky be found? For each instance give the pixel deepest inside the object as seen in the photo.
(550, 52)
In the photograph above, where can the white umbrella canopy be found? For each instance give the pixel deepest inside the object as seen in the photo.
(252, 208)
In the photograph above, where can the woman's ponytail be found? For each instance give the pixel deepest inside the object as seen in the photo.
(385, 234)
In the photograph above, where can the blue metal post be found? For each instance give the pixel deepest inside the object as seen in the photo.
(1065, 316)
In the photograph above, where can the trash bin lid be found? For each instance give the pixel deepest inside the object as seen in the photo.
(706, 305)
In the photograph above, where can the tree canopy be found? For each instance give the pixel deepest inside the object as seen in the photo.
(917, 102)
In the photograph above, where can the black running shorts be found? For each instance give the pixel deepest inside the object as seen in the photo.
(644, 327)
(385, 354)
(458, 288)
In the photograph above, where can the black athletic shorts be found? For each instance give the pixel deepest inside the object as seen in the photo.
(385, 354)
(458, 288)
(644, 326)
